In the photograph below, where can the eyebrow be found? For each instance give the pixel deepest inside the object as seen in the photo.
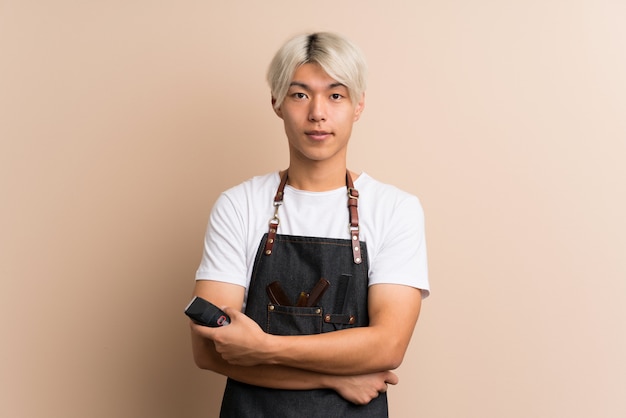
(306, 86)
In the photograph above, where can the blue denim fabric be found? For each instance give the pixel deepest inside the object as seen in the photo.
(298, 263)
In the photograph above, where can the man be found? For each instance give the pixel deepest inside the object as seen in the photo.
(329, 265)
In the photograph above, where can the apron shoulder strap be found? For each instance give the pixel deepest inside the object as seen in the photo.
(353, 203)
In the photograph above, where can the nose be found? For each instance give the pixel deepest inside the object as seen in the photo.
(317, 110)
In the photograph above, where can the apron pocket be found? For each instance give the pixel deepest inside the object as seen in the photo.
(294, 320)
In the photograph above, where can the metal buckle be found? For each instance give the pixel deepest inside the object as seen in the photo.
(275, 220)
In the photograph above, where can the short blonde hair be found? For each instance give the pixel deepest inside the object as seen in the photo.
(340, 58)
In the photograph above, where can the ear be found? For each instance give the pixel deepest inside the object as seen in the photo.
(359, 108)
(278, 111)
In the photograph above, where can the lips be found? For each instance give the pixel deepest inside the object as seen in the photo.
(318, 135)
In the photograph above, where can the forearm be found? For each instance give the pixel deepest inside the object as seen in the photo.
(347, 352)
(358, 389)
(265, 375)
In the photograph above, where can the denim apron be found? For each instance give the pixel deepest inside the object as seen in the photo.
(301, 286)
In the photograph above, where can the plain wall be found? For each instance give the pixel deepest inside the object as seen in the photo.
(121, 121)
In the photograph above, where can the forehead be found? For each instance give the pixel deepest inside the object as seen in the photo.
(313, 76)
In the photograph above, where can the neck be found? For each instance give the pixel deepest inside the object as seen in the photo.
(317, 180)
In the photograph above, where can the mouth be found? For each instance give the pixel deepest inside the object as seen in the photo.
(318, 135)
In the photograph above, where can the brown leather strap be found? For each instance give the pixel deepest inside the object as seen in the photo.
(278, 199)
(343, 319)
(274, 222)
(353, 203)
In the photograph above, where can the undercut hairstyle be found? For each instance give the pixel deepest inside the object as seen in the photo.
(341, 59)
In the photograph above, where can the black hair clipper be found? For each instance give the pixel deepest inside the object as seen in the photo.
(203, 312)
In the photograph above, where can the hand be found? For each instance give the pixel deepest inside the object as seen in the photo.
(361, 389)
(239, 343)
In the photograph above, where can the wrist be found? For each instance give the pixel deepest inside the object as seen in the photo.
(328, 381)
(270, 348)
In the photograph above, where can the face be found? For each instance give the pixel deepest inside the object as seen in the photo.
(318, 116)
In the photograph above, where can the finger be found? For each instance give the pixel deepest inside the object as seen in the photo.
(392, 379)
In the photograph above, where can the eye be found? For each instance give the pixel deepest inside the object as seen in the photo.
(336, 96)
(299, 95)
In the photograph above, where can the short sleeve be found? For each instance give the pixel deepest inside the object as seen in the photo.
(401, 256)
(224, 257)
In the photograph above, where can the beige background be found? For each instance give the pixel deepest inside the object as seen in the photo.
(121, 121)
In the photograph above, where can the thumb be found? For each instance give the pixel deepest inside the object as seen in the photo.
(231, 312)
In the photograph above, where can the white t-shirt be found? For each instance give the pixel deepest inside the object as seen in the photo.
(391, 224)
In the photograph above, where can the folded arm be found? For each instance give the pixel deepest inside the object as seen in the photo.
(359, 389)
(379, 347)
